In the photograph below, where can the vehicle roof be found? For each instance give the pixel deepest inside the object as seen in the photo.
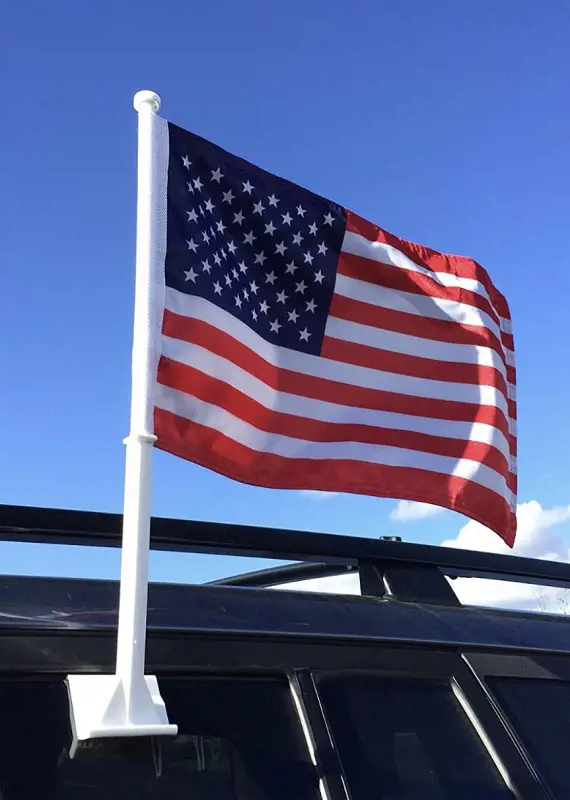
(85, 605)
(406, 593)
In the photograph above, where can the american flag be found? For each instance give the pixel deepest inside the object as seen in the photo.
(304, 347)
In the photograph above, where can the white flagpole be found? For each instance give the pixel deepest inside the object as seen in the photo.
(136, 515)
(129, 703)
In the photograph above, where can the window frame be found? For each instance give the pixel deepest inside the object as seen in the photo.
(187, 654)
(530, 666)
(449, 666)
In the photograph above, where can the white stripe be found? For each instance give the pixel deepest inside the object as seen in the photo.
(332, 412)
(220, 420)
(358, 245)
(198, 308)
(414, 345)
(417, 304)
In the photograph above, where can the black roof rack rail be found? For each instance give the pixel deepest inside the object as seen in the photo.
(289, 573)
(405, 570)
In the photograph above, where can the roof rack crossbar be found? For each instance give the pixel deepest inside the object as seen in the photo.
(25, 524)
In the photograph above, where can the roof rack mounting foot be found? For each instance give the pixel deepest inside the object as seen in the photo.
(99, 709)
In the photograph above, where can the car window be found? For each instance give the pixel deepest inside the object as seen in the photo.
(239, 739)
(539, 711)
(407, 740)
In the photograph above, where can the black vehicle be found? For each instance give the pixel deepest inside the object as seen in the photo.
(401, 693)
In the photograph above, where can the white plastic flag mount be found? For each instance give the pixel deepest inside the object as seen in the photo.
(128, 703)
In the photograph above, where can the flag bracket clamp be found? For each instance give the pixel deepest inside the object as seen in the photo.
(98, 709)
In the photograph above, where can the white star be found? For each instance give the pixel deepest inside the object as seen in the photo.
(280, 248)
(238, 300)
(301, 211)
(308, 258)
(270, 228)
(287, 218)
(260, 258)
(201, 211)
(275, 326)
(247, 187)
(319, 277)
(304, 334)
(258, 208)
(313, 228)
(235, 273)
(190, 275)
(272, 200)
(231, 247)
(282, 297)
(264, 307)
(329, 219)
(224, 254)
(245, 294)
(217, 175)
(228, 280)
(271, 277)
(205, 237)
(297, 239)
(249, 238)
(209, 206)
(190, 187)
(254, 314)
(253, 287)
(242, 267)
(220, 226)
(217, 288)
(198, 184)
(192, 216)
(239, 217)
(300, 287)
(293, 316)
(191, 245)
(311, 305)
(228, 196)
(186, 161)
(291, 267)
(323, 249)
(206, 266)
(217, 259)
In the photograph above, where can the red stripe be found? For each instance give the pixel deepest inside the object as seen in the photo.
(437, 330)
(430, 259)
(217, 452)
(210, 338)
(402, 364)
(404, 280)
(193, 382)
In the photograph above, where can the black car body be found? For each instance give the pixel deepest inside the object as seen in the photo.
(400, 693)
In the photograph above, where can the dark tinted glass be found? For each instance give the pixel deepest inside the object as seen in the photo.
(404, 740)
(540, 713)
(238, 740)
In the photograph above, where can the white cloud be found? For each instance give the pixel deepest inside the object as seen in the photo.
(314, 495)
(341, 584)
(408, 511)
(537, 537)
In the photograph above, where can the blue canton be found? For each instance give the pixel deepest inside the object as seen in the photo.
(260, 247)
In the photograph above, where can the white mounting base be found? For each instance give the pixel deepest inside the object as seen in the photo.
(98, 709)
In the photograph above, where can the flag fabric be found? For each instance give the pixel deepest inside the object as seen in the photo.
(304, 347)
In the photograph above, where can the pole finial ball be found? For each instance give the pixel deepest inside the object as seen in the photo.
(146, 98)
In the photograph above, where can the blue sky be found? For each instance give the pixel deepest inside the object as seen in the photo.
(444, 122)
